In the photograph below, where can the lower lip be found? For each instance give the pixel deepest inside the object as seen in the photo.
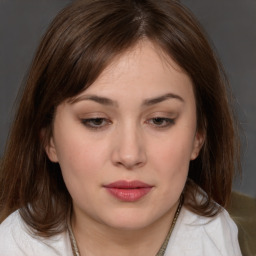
(129, 195)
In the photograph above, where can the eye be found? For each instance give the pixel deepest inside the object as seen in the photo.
(96, 123)
(161, 122)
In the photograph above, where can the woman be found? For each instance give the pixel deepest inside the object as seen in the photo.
(124, 142)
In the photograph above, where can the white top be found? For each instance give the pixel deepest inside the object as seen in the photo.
(193, 235)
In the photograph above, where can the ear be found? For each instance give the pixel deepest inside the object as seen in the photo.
(49, 146)
(198, 143)
(51, 151)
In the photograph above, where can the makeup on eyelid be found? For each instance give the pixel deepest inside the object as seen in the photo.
(92, 111)
(159, 116)
(100, 123)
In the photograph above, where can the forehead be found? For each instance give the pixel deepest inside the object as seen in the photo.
(143, 70)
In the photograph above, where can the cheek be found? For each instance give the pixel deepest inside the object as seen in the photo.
(80, 167)
(171, 158)
(170, 164)
(81, 158)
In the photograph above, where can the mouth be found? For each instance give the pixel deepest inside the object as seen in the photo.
(128, 191)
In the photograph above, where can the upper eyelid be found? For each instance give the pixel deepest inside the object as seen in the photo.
(94, 118)
(86, 122)
(163, 118)
(91, 115)
(168, 122)
(162, 114)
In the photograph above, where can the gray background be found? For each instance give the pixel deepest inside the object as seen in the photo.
(231, 27)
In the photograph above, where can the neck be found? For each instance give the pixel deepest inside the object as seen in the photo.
(94, 238)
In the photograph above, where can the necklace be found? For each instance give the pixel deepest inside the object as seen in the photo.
(162, 249)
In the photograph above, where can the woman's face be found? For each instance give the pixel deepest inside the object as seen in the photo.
(125, 143)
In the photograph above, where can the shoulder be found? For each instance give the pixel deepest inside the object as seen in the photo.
(17, 240)
(198, 235)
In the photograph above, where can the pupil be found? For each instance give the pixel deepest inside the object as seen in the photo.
(98, 121)
(158, 120)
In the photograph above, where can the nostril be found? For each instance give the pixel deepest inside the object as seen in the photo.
(129, 150)
(130, 164)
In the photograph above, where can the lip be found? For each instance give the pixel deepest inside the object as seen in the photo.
(128, 191)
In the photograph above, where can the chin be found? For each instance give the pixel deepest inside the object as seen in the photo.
(130, 220)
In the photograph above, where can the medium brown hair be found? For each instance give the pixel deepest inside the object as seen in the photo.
(81, 41)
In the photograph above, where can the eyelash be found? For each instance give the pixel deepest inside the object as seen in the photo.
(92, 124)
(167, 122)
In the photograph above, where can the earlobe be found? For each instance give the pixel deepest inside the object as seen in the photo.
(198, 143)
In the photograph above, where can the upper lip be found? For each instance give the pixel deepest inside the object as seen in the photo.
(124, 184)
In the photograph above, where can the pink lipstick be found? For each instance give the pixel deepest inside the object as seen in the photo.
(128, 191)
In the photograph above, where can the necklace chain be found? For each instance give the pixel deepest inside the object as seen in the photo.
(73, 241)
(162, 249)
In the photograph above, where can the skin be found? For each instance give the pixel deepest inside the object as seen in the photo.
(127, 137)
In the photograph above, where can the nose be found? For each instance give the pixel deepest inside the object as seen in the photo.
(129, 150)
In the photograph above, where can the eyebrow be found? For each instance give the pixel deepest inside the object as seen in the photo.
(110, 102)
(95, 98)
(150, 102)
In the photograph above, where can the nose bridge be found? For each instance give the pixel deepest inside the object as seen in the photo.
(129, 148)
